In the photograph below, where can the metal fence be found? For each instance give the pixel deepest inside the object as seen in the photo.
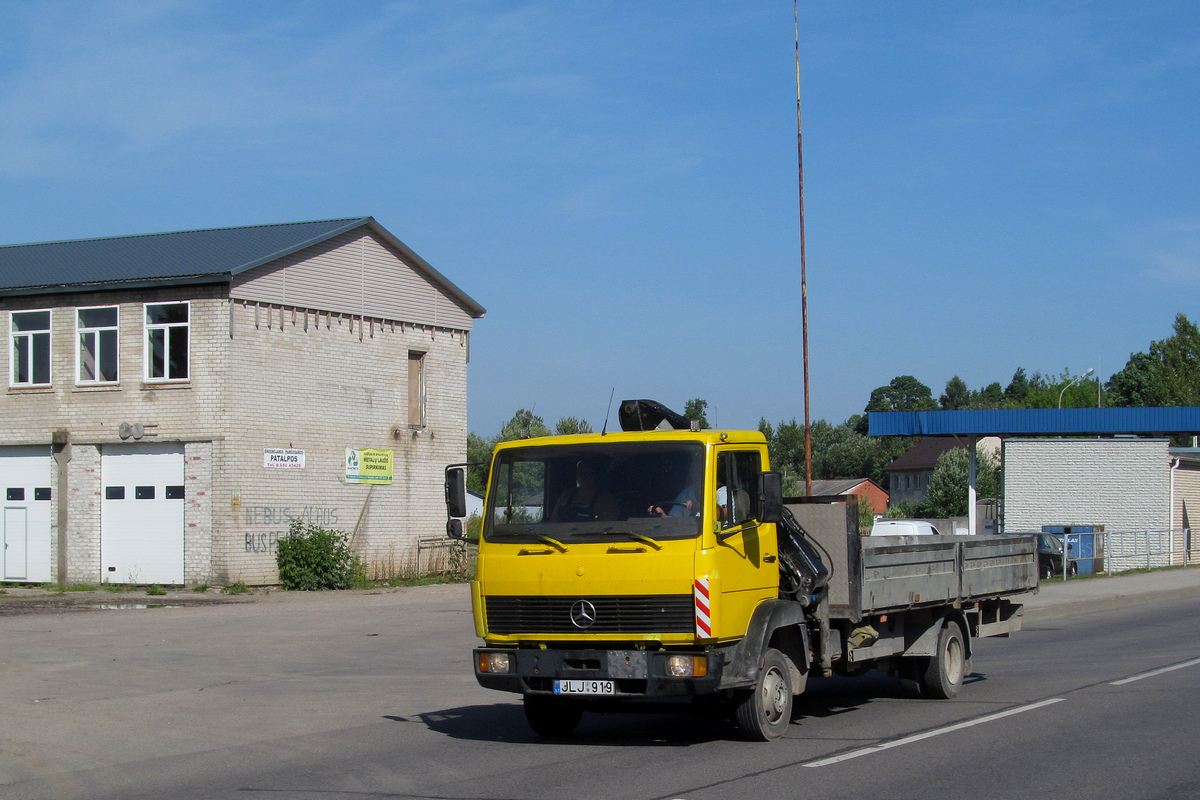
(1121, 551)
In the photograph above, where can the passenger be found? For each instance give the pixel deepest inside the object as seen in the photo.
(585, 500)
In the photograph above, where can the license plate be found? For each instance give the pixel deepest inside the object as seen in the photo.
(584, 687)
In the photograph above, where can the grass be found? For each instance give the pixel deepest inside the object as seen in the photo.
(81, 587)
(154, 590)
(1136, 571)
(424, 580)
(203, 587)
(236, 588)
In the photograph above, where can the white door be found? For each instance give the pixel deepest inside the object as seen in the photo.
(16, 539)
(25, 483)
(141, 513)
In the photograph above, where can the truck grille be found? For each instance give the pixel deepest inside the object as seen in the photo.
(656, 613)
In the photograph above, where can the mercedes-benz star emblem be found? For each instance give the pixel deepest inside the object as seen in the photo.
(583, 614)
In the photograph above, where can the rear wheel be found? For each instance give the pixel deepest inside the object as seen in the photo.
(552, 716)
(945, 672)
(764, 712)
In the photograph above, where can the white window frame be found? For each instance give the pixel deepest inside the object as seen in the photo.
(79, 379)
(13, 335)
(148, 351)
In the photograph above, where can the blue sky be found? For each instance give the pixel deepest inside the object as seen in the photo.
(987, 186)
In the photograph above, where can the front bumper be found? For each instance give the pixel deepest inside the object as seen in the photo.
(634, 673)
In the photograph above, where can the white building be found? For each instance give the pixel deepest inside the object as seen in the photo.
(1141, 491)
(175, 399)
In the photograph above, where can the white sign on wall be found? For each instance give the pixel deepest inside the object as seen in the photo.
(279, 458)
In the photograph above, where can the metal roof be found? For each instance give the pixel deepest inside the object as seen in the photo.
(922, 456)
(1036, 422)
(212, 255)
(835, 486)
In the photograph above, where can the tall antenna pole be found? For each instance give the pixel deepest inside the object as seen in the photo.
(803, 270)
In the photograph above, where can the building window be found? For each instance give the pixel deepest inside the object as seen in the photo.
(416, 390)
(167, 341)
(96, 344)
(30, 348)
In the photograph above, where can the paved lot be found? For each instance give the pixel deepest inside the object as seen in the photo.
(83, 693)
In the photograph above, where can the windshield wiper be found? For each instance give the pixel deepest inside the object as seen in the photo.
(639, 537)
(555, 543)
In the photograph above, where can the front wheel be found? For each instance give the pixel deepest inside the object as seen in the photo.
(764, 712)
(552, 716)
(945, 672)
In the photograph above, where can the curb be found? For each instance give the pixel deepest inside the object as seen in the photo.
(1114, 602)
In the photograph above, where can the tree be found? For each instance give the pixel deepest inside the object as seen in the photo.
(990, 396)
(956, 395)
(947, 492)
(1168, 375)
(479, 452)
(1177, 374)
(1132, 385)
(694, 410)
(523, 425)
(567, 426)
(904, 393)
(1017, 389)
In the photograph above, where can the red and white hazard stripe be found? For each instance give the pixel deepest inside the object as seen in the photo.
(703, 621)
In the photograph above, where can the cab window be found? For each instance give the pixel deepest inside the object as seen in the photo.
(737, 482)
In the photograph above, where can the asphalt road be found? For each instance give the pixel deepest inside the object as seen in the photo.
(371, 696)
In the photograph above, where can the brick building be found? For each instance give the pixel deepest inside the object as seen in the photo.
(1140, 490)
(175, 399)
(865, 489)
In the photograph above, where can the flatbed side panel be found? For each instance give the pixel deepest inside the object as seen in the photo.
(907, 571)
(998, 565)
(901, 572)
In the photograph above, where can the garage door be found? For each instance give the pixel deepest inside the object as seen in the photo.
(141, 513)
(25, 481)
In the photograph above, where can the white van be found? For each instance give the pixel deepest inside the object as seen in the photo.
(904, 527)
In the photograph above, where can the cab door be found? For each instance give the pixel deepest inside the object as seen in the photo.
(745, 548)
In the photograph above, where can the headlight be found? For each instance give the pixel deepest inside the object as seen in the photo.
(687, 666)
(495, 662)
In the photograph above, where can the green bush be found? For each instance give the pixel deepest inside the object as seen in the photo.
(313, 558)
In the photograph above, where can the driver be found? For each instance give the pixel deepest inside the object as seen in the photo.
(585, 500)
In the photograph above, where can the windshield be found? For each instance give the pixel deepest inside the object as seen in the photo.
(622, 491)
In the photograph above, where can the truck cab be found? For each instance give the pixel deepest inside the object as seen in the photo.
(622, 565)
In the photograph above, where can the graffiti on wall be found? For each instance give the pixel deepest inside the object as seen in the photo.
(278, 519)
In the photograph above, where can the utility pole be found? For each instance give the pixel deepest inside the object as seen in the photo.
(803, 270)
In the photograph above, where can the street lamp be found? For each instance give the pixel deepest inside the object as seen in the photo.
(1077, 379)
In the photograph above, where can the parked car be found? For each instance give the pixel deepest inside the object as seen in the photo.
(904, 527)
(1050, 555)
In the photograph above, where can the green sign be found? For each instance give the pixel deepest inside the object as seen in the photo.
(367, 465)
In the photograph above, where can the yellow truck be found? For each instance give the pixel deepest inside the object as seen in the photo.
(662, 564)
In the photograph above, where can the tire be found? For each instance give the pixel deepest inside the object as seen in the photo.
(552, 716)
(764, 712)
(945, 672)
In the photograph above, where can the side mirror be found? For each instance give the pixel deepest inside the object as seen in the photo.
(454, 529)
(770, 497)
(456, 492)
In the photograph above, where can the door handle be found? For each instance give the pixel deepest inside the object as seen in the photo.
(769, 559)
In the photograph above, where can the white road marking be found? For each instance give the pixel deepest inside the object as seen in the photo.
(1154, 672)
(958, 726)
